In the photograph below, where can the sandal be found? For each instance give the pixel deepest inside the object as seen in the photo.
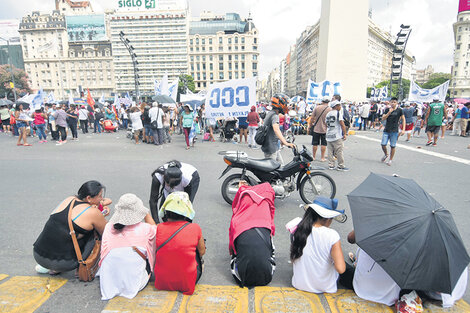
(19, 144)
(27, 145)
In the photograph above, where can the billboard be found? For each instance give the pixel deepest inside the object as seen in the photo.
(464, 5)
(9, 30)
(86, 28)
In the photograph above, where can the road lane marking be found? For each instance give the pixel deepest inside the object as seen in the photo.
(284, 299)
(27, 293)
(216, 299)
(346, 301)
(147, 300)
(431, 153)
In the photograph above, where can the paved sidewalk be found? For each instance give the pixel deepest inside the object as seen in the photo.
(28, 293)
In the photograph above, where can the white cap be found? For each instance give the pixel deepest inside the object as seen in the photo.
(334, 103)
(325, 99)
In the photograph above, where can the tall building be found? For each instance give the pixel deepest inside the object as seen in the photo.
(358, 56)
(222, 48)
(291, 72)
(158, 32)
(10, 45)
(67, 53)
(424, 75)
(460, 81)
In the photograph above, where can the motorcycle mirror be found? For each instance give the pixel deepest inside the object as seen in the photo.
(341, 218)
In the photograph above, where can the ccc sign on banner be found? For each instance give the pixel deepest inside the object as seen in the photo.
(326, 88)
(231, 99)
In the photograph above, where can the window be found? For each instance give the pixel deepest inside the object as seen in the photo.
(236, 66)
(210, 41)
(243, 48)
(192, 66)
(203, 76)
(255, 40)
(221, 57)
(458, 47)
(203, 58)
(221, 66)
(230, 41)
(211, 76)
(220, 40)
(255, 66)
(198, 66)
(221, 75)
(197, 41)
(190, 41)
(229, 75)
(255, 57)
(243, 65)
(243, 57)
(192, 58)
(255, 47)
(211, 66)
(243, 39)
(456, 64)
(204, 67)
(210, 48)
(230, 58)
(230, 66)
(243, 74)
(459, 38)
(197, 58)
(255, 73)
(203, 41)
(210, 58)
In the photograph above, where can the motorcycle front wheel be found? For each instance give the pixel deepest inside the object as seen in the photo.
(319, 184)
(230, 187)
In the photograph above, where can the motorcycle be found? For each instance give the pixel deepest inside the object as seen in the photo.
(299, 175)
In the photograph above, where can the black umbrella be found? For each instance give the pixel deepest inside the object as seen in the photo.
(163, 99)
(406, 231)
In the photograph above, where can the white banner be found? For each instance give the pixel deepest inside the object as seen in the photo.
(419, 94)
(378, 94)
(316, 91)
(233, 98)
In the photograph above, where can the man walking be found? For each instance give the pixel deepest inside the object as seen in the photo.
(318, 120)
(392, 116)
(434, 115)
(83, 117)
(335, 135)
(270, 146)
(156, 121)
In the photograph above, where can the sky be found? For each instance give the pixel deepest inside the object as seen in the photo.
(280, 22)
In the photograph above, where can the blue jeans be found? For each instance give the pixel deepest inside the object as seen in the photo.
(97, 127)
(148, 130)
(40, 131)
(392, 137)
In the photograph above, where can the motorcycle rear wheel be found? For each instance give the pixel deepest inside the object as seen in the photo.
(324, 186)
(230, 187)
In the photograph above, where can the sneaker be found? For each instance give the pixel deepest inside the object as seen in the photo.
(389, 163)
(384, 158)
(434, 144)
(44, 141)
(41, 270)
(331, 167)
(428, 143)
(343, 169)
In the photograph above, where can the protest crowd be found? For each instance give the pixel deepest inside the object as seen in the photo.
(163, 244)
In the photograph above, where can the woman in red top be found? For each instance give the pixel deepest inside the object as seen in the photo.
(39, 121)
(178, 264)
(253, 120)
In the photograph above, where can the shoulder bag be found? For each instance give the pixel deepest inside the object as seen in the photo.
(316, 122)
(86, 268)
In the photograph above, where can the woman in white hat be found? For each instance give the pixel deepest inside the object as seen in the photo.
(128, 249)
(180, 246)
(316, 250)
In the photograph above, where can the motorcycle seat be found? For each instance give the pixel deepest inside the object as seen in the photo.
(265, 165)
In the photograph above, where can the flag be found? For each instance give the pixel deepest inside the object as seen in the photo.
(116, 99)
(50, 97)
(90, 100)
(101, 100)
(192, 133)
(164, 85)
(156, 87)
(71, 99)
(173, 89)
(38, 100)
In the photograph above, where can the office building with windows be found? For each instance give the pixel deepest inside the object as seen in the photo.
(460, 81)
(222, 48)
(157, 32)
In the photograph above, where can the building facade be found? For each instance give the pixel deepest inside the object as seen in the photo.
(55, 62)
(158, 35)
(10, 44)
(424, 75)
(222, 48)
(319, 58)
(460, 81)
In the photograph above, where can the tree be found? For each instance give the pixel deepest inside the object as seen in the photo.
(406, 88)
(21, 81)
(185, 81)
(435, 80)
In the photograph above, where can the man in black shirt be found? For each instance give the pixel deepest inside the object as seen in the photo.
(392, 117)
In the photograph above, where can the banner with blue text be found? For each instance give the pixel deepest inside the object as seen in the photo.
(419, 94)
(232, 98)
(316, 91)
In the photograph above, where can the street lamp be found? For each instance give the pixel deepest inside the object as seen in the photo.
(11, 66)
(130, 49)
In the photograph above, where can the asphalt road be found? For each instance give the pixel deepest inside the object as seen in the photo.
(34, 180)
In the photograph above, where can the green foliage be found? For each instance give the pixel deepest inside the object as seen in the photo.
(21, 81)
(435, 80)
(406, 88)
(185, 81)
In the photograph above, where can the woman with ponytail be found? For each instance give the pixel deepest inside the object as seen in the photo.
(316, 250)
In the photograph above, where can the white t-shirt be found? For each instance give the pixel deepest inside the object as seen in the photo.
(364, 111)
(372, 283)
(156, 114)
(314, 271)
(302, 107)
(136, 120)
(334, 130)
(187, 171)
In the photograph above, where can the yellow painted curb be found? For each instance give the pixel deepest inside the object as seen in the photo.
(280, 299)
(27, 293)
(352, 132)
(147, 300)
(346, 301)
(3, 276)
(216, 299)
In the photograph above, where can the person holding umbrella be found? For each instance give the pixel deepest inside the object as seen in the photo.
(315, 251)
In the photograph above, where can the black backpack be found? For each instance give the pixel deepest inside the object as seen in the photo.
(262, 133)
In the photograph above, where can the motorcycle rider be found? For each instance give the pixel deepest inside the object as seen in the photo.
(271, 147)
(172, 176)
